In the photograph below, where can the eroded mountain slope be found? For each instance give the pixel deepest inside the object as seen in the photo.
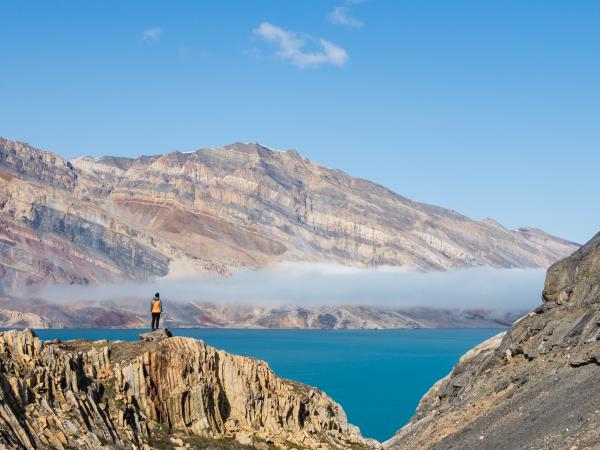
(533, 387)
(90, 221)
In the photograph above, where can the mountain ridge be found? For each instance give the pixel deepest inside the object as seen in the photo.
(132, 313)
(89, 221)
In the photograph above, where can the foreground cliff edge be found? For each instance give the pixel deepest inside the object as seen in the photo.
(168, 393)
(535, 386)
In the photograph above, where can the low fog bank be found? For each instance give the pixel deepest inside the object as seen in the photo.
(328, 284)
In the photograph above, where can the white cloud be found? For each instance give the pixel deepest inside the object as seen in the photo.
(330, 284)
(291, 47)
(340, 16)
(152, 34)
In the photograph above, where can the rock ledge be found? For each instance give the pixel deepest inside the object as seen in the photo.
(156, 335)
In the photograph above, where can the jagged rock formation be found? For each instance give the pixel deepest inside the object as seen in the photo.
(535, 386)
(171, 393)
(90, 221)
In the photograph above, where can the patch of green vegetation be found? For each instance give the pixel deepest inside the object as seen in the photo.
(83, 345)
(160, 439)
(123, 352)
(119, 352)
(299, 388)
(109, 389)
(221, 443)
(292, 446)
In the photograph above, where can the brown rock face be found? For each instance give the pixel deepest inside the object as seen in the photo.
(123, 395)
(88, 221)
(535, 386)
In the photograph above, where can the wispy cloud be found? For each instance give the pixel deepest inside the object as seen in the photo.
(340, 16)
(152, 34)
(292, 47)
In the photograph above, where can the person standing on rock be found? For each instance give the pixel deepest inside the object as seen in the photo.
(156, 310)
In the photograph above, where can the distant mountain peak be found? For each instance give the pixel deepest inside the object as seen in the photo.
(220, 209)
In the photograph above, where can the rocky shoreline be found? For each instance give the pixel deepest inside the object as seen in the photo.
(161, 392)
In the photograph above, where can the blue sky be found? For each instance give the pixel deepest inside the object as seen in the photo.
(489, 107)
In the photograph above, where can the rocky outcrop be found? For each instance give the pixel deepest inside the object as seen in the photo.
(24, 161)
(88, 221)
(173, 392)
(535, 386)
(156, 335)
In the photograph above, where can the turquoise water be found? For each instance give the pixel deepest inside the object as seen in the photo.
(378, 376)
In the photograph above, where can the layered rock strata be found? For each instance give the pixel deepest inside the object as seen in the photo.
(93, 395)
(88, 221)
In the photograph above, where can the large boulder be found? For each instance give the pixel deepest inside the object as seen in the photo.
(155, 335)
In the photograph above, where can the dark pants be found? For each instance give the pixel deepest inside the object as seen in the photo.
(155, 320)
